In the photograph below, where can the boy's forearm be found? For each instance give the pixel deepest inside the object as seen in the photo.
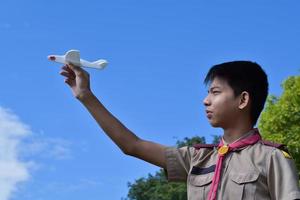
(122, 136)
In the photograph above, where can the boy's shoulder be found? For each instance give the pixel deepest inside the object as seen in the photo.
(263, 145)
(272, 146)
(262, 142)
(205, 146)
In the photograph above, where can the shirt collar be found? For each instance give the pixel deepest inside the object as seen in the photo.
(249, 133)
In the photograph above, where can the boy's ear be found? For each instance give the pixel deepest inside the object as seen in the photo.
(244, 100)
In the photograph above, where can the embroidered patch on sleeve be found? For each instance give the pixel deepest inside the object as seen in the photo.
(286, 154)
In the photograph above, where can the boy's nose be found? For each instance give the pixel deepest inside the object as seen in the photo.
(206, 101)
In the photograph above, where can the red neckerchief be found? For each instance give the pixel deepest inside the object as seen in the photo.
(222, 151)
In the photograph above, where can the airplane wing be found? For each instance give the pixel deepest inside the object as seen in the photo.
(73, 57)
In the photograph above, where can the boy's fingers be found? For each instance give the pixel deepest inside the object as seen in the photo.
(66, 68)
(67, 74)
(67, 71)
(68, 81)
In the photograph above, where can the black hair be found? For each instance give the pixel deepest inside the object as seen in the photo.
(243, 76)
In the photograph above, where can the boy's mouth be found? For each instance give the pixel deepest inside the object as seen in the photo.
(208, 114)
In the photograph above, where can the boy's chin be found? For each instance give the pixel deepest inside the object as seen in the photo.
(215, 124)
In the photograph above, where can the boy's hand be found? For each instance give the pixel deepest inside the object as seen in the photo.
(78, 80)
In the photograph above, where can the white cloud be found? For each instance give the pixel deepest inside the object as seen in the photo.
(12, 169)
(22, 151)
(45, 147)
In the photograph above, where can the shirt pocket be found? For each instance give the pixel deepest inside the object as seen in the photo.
(242, 185)
(199, 185)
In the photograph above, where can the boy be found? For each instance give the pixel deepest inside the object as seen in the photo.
(242, 166)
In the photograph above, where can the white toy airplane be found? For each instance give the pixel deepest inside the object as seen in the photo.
(73, 57)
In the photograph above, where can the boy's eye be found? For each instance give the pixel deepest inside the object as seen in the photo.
(215, 92)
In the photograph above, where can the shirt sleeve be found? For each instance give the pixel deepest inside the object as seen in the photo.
(282, 177)
(178, 163)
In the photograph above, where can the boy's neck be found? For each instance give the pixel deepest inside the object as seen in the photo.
(233, 134)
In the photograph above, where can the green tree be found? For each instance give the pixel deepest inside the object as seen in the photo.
(190, 141)
(280, 121)
(216, 139)
(156, 186)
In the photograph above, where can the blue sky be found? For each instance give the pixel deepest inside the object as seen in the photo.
(159, 53)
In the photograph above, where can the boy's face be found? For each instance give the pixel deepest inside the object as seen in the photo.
(221, 104)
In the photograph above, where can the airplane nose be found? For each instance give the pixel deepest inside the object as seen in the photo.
(51, 58)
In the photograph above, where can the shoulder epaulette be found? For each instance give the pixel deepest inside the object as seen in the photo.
(199, 146)
(273, 144)
(276, 145)
(282, 147)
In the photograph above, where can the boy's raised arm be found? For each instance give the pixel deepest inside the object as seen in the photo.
(128, 142)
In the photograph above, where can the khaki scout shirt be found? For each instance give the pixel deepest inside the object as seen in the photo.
(253, 172)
